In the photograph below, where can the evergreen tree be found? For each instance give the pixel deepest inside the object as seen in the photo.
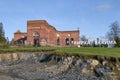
(2, 34)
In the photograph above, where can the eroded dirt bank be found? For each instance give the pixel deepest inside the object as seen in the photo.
(41, 66)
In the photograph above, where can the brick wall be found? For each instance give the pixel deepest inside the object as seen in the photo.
(48, 35)
(18, 35)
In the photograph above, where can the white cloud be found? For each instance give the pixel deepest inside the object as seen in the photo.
(103, 7)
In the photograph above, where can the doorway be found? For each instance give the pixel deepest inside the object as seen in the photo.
(67, 41)
(36, 39)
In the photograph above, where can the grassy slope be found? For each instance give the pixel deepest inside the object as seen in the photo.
(28, 49)
(114, 52)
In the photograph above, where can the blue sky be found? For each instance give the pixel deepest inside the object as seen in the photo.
(93, 17)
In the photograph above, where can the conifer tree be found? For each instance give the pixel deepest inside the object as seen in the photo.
(2, 34)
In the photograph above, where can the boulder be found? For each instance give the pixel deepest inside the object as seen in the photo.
(85, 70)
(94, 63)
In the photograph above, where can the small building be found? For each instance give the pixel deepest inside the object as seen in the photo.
(39, 32)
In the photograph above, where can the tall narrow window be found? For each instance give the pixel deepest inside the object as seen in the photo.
(58, 41)
(67, 41)
(72, 41)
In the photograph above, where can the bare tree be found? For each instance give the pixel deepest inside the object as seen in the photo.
(84, 38)
(114, 33)
(84, 41)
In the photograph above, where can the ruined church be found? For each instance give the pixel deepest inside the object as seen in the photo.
(40, 33)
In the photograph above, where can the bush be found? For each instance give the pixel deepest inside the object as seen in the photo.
(4, 46)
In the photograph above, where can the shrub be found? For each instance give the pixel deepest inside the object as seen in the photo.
(4, 46)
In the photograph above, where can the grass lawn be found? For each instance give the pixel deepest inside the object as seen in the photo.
(114, 52)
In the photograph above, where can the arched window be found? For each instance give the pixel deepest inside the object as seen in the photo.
(72, 41)
(36, 34)
(67, 41)
(58, 41)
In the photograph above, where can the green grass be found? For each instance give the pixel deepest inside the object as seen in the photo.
(29, 49)
(113, 52)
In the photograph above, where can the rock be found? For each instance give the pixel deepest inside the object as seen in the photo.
(35, 66)
(5, 57)
(94, 63)
(107, 69)
(68, 61)
(104, 63)
(59, 59)
(78, 62)
(100, 72)
(118, 69)
(113, 59)
(5, 77)
(45, 57)
(85, 70)
(89, 61)
(14, 57)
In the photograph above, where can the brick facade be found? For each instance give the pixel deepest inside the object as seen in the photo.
(39, 32)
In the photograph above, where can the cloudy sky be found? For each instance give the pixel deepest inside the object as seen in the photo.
(93, 17)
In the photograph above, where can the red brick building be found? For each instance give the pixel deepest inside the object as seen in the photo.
(39, 32)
